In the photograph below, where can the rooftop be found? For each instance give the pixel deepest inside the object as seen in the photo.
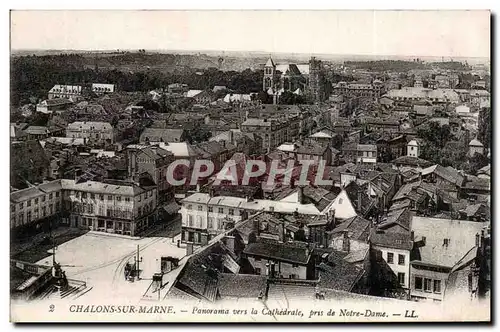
(293, 252)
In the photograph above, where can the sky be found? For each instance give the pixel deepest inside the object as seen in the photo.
(403, 33)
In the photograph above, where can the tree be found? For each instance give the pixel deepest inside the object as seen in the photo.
(197, 134)
(263, 97)
(484, 127)
(114, 121)
(290, 98)
(476, 162)
(435, 134)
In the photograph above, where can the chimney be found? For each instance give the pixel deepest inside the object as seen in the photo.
(300, 194)
(359, 200)
(256, 225)
(230, 242)
(189, 248)
(198, 188)
(346, 245)
(412, 235)
(230, 136)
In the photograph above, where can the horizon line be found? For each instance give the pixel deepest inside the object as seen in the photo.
(166, 51)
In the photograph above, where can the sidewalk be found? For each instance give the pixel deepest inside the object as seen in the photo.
(121, 236)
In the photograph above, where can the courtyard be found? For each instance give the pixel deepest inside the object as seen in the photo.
(99, 259)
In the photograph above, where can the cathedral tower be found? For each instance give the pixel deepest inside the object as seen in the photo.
(270, 78)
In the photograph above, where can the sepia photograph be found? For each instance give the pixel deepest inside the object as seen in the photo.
(308, 166)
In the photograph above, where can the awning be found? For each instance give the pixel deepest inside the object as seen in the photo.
(171, 207)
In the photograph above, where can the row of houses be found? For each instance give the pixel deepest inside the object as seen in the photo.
(112, 207)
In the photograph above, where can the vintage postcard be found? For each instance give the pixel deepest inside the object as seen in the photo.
(250, 166)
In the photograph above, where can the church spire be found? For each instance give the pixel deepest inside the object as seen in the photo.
(270, 62)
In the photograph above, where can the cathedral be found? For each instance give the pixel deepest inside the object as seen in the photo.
(299, 79)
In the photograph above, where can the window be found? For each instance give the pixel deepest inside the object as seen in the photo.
(21, 219)
(210, 222)
(446, 242)
(51, 196)
(21, 205)
(190, 220)
(92, 196)
(390, 258)
(84, 195)
(189, 207)
(437, 286)
(29, 216)
(401, 278)
(221, 210)
(257, 270)
(110, 198)
(118, 198)
(198, 221)
(127, 199)
(36, 200)
(340, 200)
(210, 209)
(101, 197)
(427, 285)
(57, 194)
(401, 259)
(200, 207)
(231, 212)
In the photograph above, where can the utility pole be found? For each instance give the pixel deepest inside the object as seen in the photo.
(137, 261)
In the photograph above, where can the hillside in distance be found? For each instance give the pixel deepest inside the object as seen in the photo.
(173, 62)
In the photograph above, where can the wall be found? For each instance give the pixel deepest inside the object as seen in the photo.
(427, 273)
(342, 206)
(283, 270)
(55, 202)
(395, 267)
(200, 218)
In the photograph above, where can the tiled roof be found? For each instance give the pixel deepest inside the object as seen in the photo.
(396, 240)
(412, 161)
(337, 273)
(162, 135)
(241, 285)
(357, 228)
(366, 203)
(294, 252)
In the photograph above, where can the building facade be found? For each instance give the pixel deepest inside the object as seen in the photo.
(99, 133)
(121, 208)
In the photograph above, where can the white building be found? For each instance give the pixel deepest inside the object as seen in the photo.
(203, 216)
(475, 147)
(413, 149)
(71, 92)
(93, 132)
(102, 88)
